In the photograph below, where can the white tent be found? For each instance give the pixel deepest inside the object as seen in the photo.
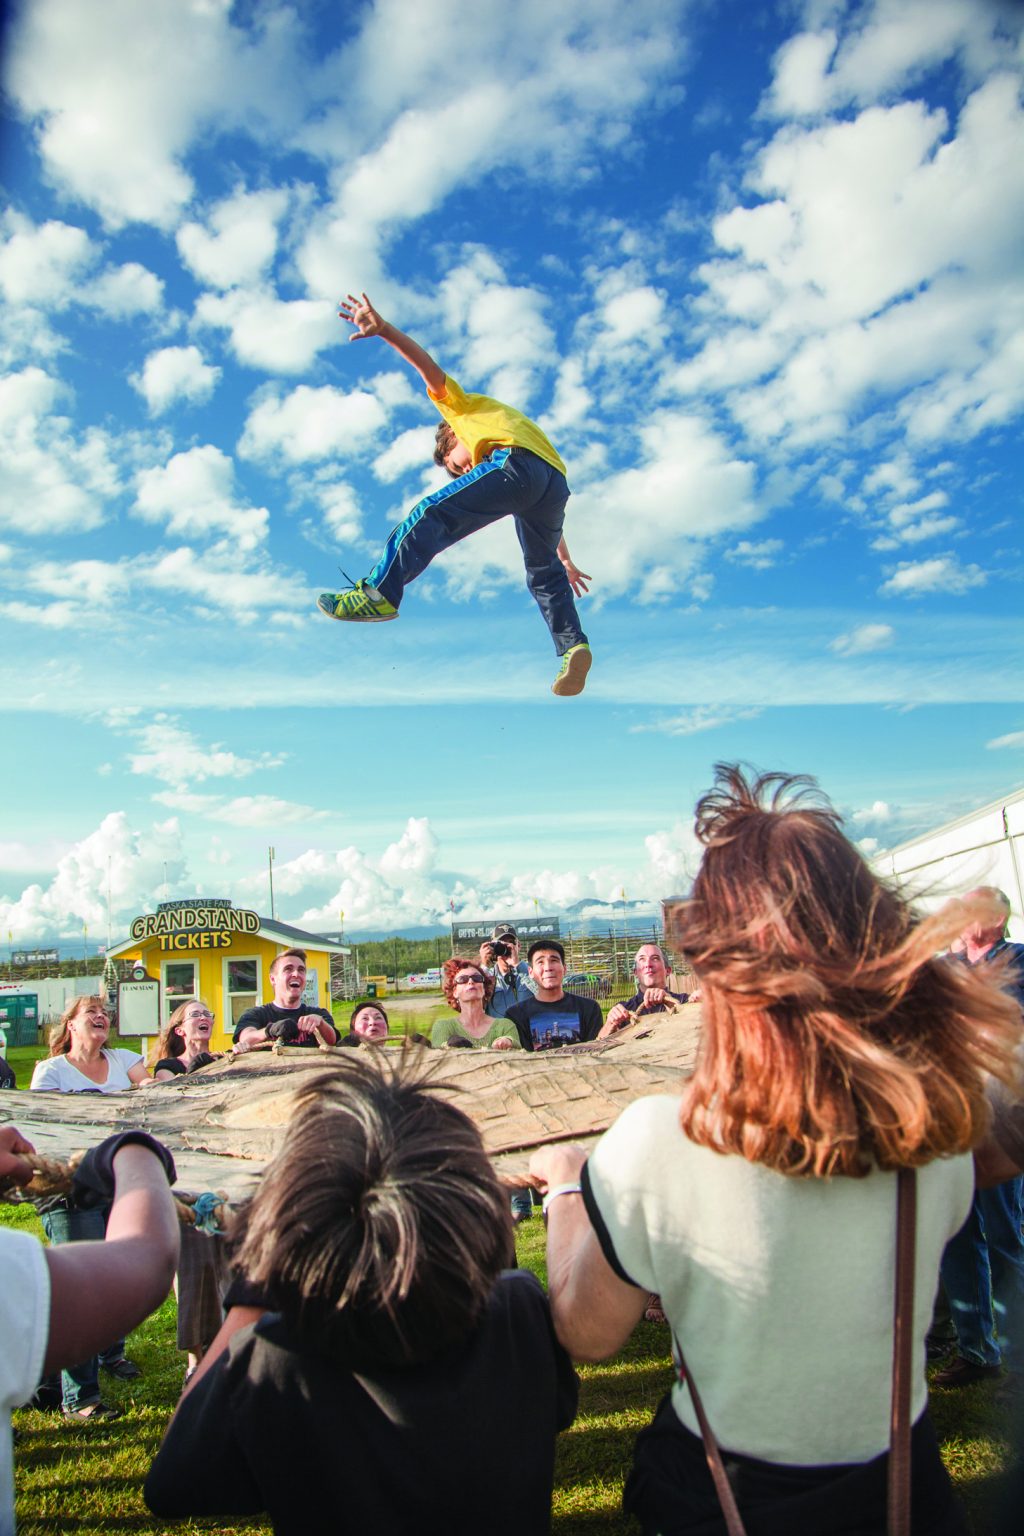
(985, 847)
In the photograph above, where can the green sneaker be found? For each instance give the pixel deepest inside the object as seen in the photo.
(362, 604)
(572, 674)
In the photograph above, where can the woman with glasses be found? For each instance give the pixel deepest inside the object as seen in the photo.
(202, 1275)
(184, 1045)
(468, 990)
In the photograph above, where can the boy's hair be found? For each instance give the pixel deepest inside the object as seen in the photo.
(444, 442)
(539, 944)
(380, 1228)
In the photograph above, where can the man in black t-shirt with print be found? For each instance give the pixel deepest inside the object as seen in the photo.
(553, 1018)
(287, 1018)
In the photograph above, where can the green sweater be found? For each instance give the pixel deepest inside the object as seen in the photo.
(501, 1029)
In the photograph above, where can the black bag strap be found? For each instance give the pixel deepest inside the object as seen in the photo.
(898, 1497)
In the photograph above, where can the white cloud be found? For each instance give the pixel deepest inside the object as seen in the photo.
(878, 812)
(50, 481)
(173, 754)
(498, 328)
(117, 93)
(268, 333)
(943, 573)
(242, 811)
(114, 861)
(311, 424)
(645, 528)
(758, 555)
(175, 373)
(1013, 739)
(879, 257)
(238, 241)
(41, 264)
(863, 639)
(410, 450)
(216, 579)
(885, 45)
(704, 717)
(194, 494)
(124, 291)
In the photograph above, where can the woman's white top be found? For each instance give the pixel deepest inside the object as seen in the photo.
(58, 1073)
(779, 1289)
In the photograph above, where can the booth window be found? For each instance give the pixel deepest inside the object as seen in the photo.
(242, 986)
(179, 983)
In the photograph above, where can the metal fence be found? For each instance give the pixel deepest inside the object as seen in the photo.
(605, 959)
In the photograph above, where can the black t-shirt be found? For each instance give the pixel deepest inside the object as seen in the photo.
(547, 1026)
(7, 1077)
(169, 1064)
(465, 1443)
(269, 1013)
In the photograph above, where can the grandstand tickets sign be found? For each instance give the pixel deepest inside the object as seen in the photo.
(194, 925)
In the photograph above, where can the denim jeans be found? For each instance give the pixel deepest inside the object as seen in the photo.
(80, 1384)
(983, 1272)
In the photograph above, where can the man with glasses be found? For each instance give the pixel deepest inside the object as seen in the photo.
(511, 975)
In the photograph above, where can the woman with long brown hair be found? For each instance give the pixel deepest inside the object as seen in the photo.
(761, 1201)
(184, 1043)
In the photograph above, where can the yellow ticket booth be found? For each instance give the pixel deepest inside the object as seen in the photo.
(208, 948)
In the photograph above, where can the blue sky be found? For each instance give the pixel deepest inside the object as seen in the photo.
(756, 269)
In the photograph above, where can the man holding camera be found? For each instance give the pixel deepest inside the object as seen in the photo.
(288, 1018)
(500, 956)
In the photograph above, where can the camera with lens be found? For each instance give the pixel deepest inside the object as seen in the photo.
(500, 949)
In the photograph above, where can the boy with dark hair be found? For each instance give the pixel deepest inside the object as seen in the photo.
(391, 1378)
(554, 1017)
(502, 465)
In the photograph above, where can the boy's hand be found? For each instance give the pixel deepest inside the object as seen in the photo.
(361, 313)
(577, 579)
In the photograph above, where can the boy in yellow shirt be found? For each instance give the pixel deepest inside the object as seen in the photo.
(501, 465)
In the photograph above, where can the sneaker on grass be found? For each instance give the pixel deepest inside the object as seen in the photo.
(361, 604)
(573, 672)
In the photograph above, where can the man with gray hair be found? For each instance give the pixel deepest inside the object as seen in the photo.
(983, 1265)
(651, 970)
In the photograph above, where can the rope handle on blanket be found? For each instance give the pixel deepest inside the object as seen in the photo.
(51, 1177)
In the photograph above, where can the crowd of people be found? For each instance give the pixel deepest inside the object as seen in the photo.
(854, 1126)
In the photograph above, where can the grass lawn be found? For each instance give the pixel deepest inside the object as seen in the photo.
(88, 1480)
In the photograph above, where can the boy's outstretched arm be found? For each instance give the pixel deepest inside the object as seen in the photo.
(361, 313)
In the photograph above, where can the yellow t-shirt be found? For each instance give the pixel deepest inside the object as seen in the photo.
(484, 424)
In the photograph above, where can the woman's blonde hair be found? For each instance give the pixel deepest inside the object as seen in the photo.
(834, 1038)
(60, 1034)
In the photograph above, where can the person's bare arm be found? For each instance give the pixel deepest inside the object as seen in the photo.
(594, 1311)
(360, 313)
(100, 1291)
